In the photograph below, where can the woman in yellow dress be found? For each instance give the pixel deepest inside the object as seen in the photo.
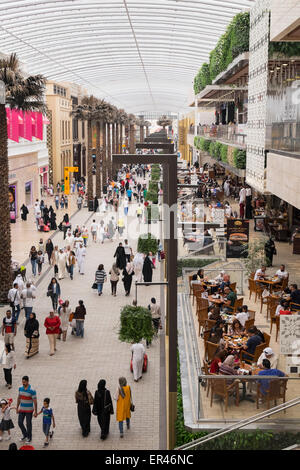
(123, 398)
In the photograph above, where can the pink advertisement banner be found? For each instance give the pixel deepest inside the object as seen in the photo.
(24, 124)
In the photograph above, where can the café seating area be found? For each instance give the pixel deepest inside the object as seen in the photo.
(222, 397)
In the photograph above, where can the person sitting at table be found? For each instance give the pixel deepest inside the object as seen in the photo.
(204, 294)
(282, 273)
(229, 367)
(295, 294)
(260, 273)
(267, 370)
(215, 313)
(236, 328)
(217, 360)
(216, 334)
(279, 307)
(285, 310)
(242, 314)
(225, 282)
(253, 341)
(259, 333)
(269, 354)
(220, 277)
(229, 300)
(199, 276)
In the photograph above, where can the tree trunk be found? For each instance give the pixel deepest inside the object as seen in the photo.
(142, 134)
(90, 189)
(109, 151)
(98, 161)
(104, 154)
(121, 139)
(131, 139)
(147, 131)
(117, 150)
(5, 235)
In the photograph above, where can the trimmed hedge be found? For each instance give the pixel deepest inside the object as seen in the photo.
(224, 153)
(136, 324)
(239, 157)
(192, 263)
(152, 196)
(232, 43)
(146, 243)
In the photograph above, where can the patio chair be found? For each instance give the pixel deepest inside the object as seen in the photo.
(253, 357)
(210, 323)
(251, 314)
(207, 372)
(275, 320)
(191, 285)
(233, 286)
(222, 389)
(197, 288)
(202, 317)
(251, 287)
(294, 307)
(277, 390)
(267, 339)
(249, 323)
(237, 304)
(211, 349)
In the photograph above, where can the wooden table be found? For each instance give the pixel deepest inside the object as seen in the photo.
(254, 371)
(269, 283)
(216, 301)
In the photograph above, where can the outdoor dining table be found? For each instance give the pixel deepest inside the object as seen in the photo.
(245, 370)
(218, 301)
(270, 283)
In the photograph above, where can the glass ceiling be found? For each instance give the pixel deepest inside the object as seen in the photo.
(137, 54)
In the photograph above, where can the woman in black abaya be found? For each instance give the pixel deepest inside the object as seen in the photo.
(84, 401)
(128, 273)
(103, 408)
(148, 269)
(121, 257)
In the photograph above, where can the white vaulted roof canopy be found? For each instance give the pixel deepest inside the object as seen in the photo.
(137, 54)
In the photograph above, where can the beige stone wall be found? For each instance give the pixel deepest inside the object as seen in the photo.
(24, 169)
(285, 17)
(283, 178)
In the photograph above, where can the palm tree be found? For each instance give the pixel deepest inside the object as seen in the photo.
(123, 118)
(141, 123)
(164, 121)
(110, 119)
(26, 94)
(148, 125)
(89, 103)
(131, 123)
(100, 114)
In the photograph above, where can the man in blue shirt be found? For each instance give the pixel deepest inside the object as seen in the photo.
(253, 341)
(264, 384)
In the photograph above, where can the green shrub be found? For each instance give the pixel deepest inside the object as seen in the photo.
(217, 153)
(202, 78)
(239, 157)
(224, 152)
(204, 144)
(197, 141)
(153, 186)
(285, 49)
(136, 324)
(211, 150)
(146, 243)
(152, 196)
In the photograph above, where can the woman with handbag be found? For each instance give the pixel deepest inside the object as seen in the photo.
(124, 404)
(54, 293)
(103, 408)
(31, 332)
(84, 400)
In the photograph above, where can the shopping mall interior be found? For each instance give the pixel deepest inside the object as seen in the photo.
(150, 240)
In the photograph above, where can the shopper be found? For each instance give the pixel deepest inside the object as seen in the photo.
(84, 400)
(124, 404)
(103, 408)
(26, 407)
(114, 279)
(100, 278)
(79, 316)
(9, 329)
(40, 261)
(31, 332)
(28, 295)
(54, 292)
(64, 312)
(48, 419)
(33, 254)
(138, 352)
(9, 364)
(52, 325)
(128, 274)
(14, 301)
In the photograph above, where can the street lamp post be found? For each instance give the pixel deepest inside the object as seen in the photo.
(169, 163)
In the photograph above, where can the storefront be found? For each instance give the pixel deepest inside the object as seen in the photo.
(44, 177)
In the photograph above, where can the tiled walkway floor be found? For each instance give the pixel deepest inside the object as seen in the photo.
(99, 355)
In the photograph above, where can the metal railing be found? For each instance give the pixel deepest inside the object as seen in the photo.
(241, 424)
(227, 133)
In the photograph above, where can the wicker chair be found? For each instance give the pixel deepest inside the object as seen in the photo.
(210, 324)
(277, 389)
(222, 389)
(267, 339)
(207, 372)
(202, 314)
(211, 349)
(249, 323)
(197, 289)
(251, 287)
(275, 320)
(251, 314)
(254, 357)
(233, 286)
(294, 307)
(237, 304)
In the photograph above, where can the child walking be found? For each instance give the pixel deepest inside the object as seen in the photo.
(6, 423)
(48, 418)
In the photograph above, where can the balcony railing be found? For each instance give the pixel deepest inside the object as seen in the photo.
(229, 133)
(284, 136)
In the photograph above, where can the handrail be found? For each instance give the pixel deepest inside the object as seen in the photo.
(239, 425)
